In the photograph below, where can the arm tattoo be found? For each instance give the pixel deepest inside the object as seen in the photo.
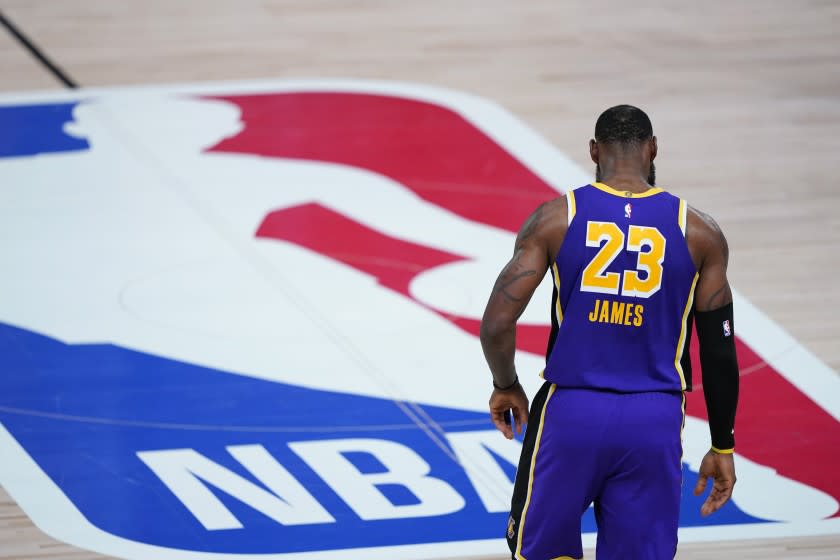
(530, 225)
(510, 275)
(716, 299)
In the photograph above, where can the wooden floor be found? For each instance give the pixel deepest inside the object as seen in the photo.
(744, 97)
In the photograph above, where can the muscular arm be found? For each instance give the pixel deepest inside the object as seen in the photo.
(511, 293)
(715, 330)
(716, 334)
(540, 235)
(713, 291)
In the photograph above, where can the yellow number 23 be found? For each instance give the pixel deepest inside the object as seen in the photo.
(648, 242)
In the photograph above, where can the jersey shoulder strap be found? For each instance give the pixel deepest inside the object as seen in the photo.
(682, 217)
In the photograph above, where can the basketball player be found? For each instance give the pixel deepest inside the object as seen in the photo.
(633, 267)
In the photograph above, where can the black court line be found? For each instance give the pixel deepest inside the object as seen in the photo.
(33, 49)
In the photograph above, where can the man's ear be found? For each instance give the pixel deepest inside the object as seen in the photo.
(653, 148)
(593, 150)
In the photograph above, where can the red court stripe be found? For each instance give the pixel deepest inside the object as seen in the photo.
(446, 160)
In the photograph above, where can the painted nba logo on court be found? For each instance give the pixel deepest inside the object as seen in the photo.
(289, 277)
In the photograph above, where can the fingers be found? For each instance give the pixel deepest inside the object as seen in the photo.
(721, 468)
(716, 500)
(720, 494)
(498, 417)
(508, 408)
(700, 487)
(521, 416)
(502, 421)
(710, 505)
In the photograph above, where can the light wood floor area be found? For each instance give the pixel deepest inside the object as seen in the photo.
(744, 97)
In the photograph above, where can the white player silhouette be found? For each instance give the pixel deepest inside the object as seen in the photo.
(158, 253)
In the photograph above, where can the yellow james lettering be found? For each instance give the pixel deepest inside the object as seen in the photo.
(617, 312)
(593, 315)
(637, 320)
(604, 316)
(628, 312)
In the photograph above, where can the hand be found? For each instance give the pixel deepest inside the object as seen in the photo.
(513, 399)
(720, 467)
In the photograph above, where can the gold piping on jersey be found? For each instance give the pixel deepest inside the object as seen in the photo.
(531, 475)
(571, 206)
(682, 341)
(723, 451)
(626, 194)
(559, 310)
(683, 217)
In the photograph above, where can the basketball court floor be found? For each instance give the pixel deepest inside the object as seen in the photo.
(244, 264)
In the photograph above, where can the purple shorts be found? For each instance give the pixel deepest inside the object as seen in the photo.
(620, 451)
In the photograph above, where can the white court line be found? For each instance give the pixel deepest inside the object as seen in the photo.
(799, 366)
(55, 514)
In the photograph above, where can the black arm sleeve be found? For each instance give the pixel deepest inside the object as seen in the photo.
(716, 333)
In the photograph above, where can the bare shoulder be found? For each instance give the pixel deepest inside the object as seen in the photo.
(704, 236)
(545, 228)
(545, 215)
(546, 225)
(701, 220)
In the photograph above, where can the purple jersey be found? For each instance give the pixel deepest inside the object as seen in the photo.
(624, 288)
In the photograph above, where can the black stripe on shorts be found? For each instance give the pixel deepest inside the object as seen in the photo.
(523, 471)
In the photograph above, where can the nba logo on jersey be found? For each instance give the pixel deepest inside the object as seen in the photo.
(727, 330)
(264, 336)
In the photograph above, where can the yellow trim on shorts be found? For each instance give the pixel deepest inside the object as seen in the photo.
(723, 451)
(559, 310)
(626, 194)
(682, 430)
(521, 530)
(683, 330)
(571, 207)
